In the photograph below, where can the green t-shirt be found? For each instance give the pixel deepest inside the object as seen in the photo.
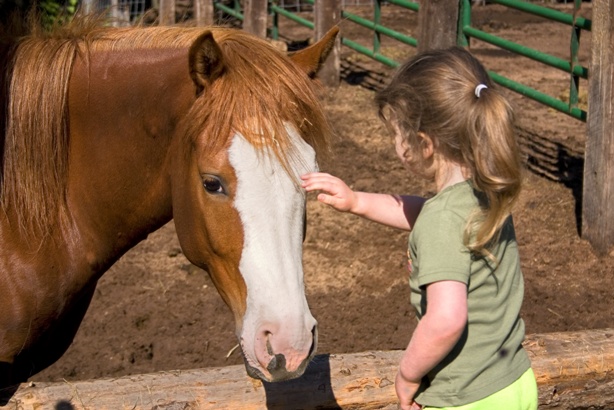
(489, 355)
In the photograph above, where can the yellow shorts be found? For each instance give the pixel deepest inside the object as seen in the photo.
(520, 395)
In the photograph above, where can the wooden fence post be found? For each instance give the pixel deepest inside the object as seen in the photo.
(203, 12)
(437, 24)
(598, 188)
(167, 12)
(255, 14)
(327, 15)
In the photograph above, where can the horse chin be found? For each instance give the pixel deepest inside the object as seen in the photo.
(276, 375)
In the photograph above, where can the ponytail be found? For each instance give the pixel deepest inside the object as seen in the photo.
(494, 159)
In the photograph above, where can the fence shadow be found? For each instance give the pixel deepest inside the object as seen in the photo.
(361, 74)
(555, 162)
(312, 390)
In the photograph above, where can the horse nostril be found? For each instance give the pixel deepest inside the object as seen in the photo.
(277, 364)
(269, 348)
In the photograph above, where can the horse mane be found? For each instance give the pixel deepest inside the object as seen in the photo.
(260, 92)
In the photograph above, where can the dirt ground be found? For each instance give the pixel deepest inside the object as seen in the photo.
(154, 311)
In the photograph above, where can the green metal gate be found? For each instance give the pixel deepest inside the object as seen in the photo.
(571, 66)
(465, 33)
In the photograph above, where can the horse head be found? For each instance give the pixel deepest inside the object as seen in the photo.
(239, 211)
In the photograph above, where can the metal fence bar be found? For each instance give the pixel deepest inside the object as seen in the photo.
(545, 12)
(292, 16)
(380, 29)
(377, 15)
(413, 6)
(538, 96)
(527, 52)
(574, 84)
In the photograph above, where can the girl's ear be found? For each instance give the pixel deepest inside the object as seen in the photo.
(427, 145)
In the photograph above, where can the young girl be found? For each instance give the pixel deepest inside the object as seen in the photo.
(453, 127)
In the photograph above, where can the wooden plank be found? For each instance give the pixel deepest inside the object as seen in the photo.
(328, 15)
(573, 370)
(437, 24)
(255, 17)
(598, 195)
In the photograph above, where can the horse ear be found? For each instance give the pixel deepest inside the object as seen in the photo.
(206, 61)
(311, 58)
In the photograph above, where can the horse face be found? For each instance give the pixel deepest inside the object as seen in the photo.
(245, 226)
(240, 212)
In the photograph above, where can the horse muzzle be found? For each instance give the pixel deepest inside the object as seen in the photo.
(277, 359)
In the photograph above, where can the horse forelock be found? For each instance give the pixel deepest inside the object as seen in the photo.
(258, 95)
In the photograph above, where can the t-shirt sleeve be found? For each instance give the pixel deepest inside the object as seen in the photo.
(440, 251)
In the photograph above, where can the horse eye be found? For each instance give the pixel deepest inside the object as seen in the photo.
(213, 185)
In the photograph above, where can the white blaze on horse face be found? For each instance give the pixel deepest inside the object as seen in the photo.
(271, 206)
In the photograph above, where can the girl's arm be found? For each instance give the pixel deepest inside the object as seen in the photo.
(436, 334)
(396, 211)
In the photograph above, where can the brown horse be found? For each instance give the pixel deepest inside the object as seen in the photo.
(110, 133)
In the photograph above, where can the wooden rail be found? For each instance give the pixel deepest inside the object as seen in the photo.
(574, 370)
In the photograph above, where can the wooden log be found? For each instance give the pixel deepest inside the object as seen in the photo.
(598, 188)
(573, 370)
(328, 15)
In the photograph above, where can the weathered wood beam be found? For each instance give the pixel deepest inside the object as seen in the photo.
(167, 13)
(437, 24)
(204, 12)
(598, 185)
(327, 15)
(574, 370)
(255, 17)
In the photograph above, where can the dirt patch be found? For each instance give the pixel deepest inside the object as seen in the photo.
(154, 311)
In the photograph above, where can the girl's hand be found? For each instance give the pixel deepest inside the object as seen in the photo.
(335, 192)
(406, 390)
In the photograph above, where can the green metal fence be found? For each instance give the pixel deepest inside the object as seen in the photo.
(465, 33)
(374, 25)
(378, 30)
(571, 66)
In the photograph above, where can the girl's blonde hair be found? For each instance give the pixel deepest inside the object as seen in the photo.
(435, 93)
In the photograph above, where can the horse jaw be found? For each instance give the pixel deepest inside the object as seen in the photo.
(278, 334)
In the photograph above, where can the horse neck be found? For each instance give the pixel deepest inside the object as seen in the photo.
(124, 107)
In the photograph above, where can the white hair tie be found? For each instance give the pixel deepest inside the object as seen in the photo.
(479, 88)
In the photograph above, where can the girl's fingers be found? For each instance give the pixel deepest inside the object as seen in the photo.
(322, 184)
